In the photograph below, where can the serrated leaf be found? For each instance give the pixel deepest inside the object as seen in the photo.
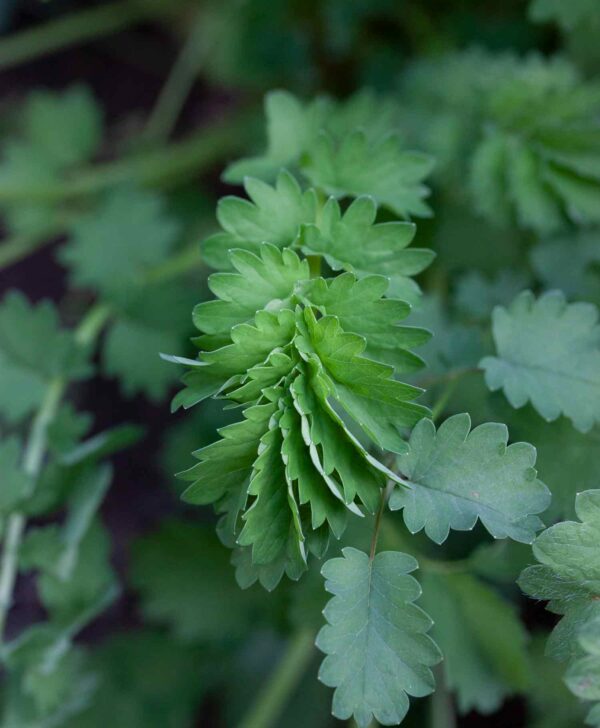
(481, 665)
(90, 581)
(376, 643)
(361, 309)
(454, 477)
(272, 215)
(568, 575)
(111, 249)
(265, 280)
(33, 351)
(364, 388)
(392, 176)
(291, 128)
(65, 128)
(354, 242)
(583, 674)
(549, 353)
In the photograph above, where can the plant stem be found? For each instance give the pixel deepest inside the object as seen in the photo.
(75, 28)
(18, 247)
(385, 494)
(178, 85)
(442, 401)
(33, 458)
(160, 167)
(271, 700)
(441, 709)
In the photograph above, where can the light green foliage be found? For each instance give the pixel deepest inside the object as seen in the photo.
(551, 703)
(454, 477)
(376, 642)
(476, 295)
(570, 264)
(486, 658)
(33, 351)
(453, 345)
(382, 169)
(65, 129)
(271, 215)
(68, 595)
(58, 132)
(568, 16)
(568, 575)
(111, 249)
(567, 460)
(353, 241)
(583, 674)
(344, 150)
(549, 354)
(198, 599)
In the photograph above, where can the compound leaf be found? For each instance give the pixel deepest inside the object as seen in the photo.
(568, 575)
(455, 477)
(549, 353)
(392, 176)
(376, 643)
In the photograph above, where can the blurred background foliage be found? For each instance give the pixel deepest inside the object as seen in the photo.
(116, 120)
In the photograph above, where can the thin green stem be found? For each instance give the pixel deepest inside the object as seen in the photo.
(75, 28)
(33, 458)
(18, 247)
(161, 167)
(441, 707)
(266, 711)
(444, 398)
(177, 86)
(385, 495)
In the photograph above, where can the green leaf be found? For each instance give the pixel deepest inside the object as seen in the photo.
(16, 485)
(111, 249)
(376, 644)
(481, 665)
(476, 295)
(583, 675)
(561, 452)
(549, 353)
(33, 351)
(131, 353)
(65, 128)
(551, 705)
(67, 427)
(265, 280)
(568, 575)
(90, 581)
(569, 265)
(272, 215)
(364, 388)
(291, 129)
(197, 598)
(354, 242)
(568, 16)
(361, 309)
(454, 477)
(392, 176)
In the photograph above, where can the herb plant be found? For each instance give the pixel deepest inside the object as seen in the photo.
(391, 378)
